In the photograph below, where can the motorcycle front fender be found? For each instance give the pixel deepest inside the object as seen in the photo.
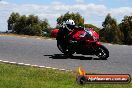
(98, 43)
(93, 42)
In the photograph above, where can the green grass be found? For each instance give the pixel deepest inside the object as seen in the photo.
(14, 76)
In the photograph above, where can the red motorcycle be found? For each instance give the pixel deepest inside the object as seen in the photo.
(81, 41)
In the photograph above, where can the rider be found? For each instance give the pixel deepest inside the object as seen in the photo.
(69, 24)
(67, 27)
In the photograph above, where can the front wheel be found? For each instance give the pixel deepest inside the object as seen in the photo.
(64, 49)
(102, 52)
(61, 47)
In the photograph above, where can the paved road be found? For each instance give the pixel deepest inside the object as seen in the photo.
(44, 52)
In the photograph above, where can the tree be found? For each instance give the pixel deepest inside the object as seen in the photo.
(45, 27)
(44, 24)
(79, 20)
(28, 25)
(31, 20)
(20, 24)
(92, 26)
(111, 32)
(12, 20)
(126, 28)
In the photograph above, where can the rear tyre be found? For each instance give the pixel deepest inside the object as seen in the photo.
(102, 52)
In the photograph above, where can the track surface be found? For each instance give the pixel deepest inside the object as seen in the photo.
(44, 52)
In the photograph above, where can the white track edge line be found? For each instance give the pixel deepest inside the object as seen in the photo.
(5, 61)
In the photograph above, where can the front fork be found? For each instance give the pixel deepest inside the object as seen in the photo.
(96, 48)
(98, 43)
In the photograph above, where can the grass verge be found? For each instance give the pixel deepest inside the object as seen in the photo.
(14, 76)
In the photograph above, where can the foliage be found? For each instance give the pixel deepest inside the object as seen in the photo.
(12, 20)
(45, 28)
(28, 25)
(79, 20)
(111, 32)
(126, 28)
(92, 26)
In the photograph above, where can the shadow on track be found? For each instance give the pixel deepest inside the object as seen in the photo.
(62, 56)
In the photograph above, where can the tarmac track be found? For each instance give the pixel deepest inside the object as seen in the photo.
(44, 52)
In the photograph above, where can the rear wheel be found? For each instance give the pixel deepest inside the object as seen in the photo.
(102, 52)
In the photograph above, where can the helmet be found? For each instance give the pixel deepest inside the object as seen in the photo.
(70, 24)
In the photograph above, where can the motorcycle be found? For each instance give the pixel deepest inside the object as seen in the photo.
(83, 41)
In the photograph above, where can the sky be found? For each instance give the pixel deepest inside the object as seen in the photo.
(93, 11)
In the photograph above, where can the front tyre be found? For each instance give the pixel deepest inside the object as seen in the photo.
(61, 47)
(102, 52)
(61, 44)
(64, 49)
